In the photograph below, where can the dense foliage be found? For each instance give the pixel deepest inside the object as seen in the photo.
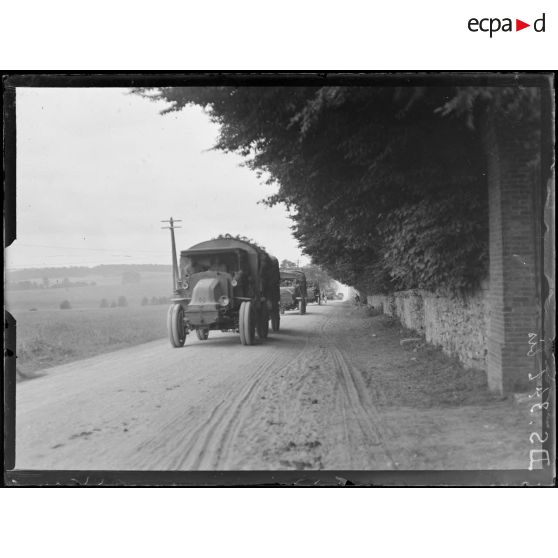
(242, 238)
(386, 185)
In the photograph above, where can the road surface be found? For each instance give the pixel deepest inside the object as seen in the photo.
(334, 389)
(291, 402)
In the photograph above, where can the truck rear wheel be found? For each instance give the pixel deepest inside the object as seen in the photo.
(275, 320)
(262, 328)
(246, 323)
(175, 325)
(202, 334)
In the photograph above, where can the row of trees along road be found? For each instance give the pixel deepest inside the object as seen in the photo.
(387, 185)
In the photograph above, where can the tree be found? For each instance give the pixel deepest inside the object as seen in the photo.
(314, 274)
(287, 264)
(122, 301)
(65, 305)
(104, 303)
(144, 301)
(354, 163)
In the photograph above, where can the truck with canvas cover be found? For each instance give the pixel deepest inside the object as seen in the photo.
(224, 284)
(313, 292)
(293, 290)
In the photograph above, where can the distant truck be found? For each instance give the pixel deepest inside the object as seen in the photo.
(293, 290)
(224, 284)
(314, 293)
(331, 294)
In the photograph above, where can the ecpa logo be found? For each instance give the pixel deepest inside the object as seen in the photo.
(494, 24)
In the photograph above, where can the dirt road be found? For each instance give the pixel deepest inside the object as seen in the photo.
(332, 390)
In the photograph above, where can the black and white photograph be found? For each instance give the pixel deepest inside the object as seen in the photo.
(345, 278)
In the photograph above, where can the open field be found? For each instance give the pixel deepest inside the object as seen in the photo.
(49, 337)
(90, 296)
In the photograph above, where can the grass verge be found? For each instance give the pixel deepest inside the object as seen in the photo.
(51, 337)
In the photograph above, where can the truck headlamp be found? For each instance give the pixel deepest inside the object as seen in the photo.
(224, 300)
(234, 282)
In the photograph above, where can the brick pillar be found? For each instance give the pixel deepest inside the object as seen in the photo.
(514, 265)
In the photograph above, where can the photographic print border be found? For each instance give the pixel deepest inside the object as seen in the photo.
(542, 340)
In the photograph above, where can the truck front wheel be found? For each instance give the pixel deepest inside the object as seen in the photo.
(175, 325)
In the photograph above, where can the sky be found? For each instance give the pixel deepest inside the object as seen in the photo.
(98, 169)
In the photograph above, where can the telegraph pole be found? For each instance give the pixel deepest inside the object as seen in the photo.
(171, 227)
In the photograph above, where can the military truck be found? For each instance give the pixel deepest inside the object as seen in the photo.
(224, 284)
(293, 290)
(313, 292)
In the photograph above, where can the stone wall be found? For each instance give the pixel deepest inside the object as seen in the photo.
(458, 326)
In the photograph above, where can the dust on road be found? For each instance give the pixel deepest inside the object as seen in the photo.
(332, 390)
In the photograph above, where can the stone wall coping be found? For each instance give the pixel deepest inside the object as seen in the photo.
(410, 292)
(482, 291)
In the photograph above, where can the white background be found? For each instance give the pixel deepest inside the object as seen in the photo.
(253, 34)
(292, 34)
(275, 523)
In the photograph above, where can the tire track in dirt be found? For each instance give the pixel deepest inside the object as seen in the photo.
(355, 398)
(189, 434)
(350, 432)
(301, 370)
(217, 448)
(353, 395)
(205, 450)
(211, 443)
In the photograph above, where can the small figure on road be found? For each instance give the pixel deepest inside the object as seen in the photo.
(357, 299)
(296, 287)
(317, 294)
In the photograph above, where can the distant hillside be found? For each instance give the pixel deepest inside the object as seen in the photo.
(81, 271)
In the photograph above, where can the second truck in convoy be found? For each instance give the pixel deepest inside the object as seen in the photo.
(293, 290)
